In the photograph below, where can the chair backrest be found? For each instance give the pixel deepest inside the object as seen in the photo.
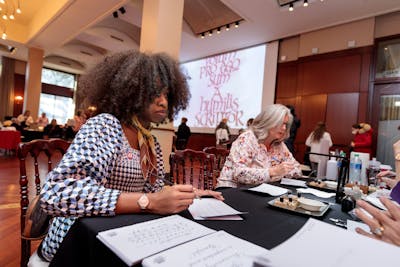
(193, 167)
(220, 157)
(42, 155)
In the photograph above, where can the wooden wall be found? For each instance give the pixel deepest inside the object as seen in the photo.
(332, 87)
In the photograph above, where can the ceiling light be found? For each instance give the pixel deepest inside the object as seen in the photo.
(5, 17)
(236, 24)
(19, 8)
(291, 7)
(2, 1)
(210, 33)
(4, 36)
(219, 30)
(115, 14)
(122, 10)
(202, 35)
(305, 4)
(227, 27)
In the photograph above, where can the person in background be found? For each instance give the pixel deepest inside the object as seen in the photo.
(79, 120)
(248, 123)
(362, 140)
(319, 141)
(25, 119)
(293, 130)
(182, 135)
(52, 130)
(222, 133)
(42, 121)
(7, 126)
(115, 165)
(14, 123)
(259, 154)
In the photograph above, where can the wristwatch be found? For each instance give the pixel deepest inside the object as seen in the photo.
(397, 157)
(143, 202)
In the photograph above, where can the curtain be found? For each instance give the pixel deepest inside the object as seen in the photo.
(7, 87)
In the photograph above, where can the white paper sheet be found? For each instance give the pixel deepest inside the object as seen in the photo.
(134, 242)
(293, 182)
(375, 201)
(316, 192)
(269, 189)
(213, 209)
(320, 244)
(352, 225)
(218, 249)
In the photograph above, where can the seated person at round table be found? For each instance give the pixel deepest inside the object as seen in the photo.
(114, 165)
(259, 155)
(52, 130)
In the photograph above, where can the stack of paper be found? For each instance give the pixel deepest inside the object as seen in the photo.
(218, 249)
(134, 242)
(320, 244)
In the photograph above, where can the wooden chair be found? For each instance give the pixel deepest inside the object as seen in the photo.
(193, 167)
(220, 157)
(39, 153)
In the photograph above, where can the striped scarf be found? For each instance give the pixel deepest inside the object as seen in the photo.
(148, 156)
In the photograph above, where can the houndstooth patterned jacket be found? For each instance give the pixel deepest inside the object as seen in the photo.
(98, 166)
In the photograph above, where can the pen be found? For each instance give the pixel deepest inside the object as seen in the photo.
(167, 182)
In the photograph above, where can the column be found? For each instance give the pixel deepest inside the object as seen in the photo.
(161, 32)
(33, 81)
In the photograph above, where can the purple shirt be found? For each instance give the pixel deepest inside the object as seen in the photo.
(395, 194)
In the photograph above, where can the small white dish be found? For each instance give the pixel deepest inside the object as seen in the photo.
(330, 184)
(311, 204)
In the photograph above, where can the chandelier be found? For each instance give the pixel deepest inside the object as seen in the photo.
(9, 10)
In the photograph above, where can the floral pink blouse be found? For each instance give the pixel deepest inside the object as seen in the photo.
(249, 162)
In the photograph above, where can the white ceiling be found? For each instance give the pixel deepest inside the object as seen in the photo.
(76, 33)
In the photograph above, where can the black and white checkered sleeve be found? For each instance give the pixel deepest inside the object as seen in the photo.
(76, 186)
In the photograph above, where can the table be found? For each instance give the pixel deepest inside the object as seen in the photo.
(10, 139)
(263, 225)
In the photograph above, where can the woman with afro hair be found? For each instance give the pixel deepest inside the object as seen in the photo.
(114, 165)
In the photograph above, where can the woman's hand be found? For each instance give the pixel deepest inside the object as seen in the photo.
(171, 199)
(385, 225)
(201, 193)
(277, 172)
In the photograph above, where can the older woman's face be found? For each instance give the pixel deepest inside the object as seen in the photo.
(278, 132)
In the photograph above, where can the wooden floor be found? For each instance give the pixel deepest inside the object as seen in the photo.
(9, 212)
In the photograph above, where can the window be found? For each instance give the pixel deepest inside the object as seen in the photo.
(56, 99)
(388, 59)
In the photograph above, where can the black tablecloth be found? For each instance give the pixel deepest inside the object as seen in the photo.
(263, 225)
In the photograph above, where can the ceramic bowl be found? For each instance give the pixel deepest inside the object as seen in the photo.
(311, 204)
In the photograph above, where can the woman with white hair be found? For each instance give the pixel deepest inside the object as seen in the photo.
(259, 155)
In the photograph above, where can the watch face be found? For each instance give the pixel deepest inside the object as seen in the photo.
(143, 202)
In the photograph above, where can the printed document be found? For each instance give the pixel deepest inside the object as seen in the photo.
(321, 244)
(134, 242)
(218, 249)
(213, 209)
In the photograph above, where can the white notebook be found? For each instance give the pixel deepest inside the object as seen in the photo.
(135, 242)
(217, 249)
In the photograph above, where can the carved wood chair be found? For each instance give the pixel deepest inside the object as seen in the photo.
(41, 155)
(193, 167)
(220, 157)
